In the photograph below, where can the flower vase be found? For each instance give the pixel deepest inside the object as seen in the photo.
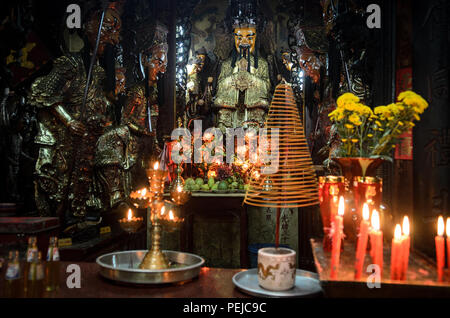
(352, 167)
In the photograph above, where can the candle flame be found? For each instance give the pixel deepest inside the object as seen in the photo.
(375, 220)
(179, 188)
(130, 215)
(171, 215)
(366, 213)
(341, 207)
(163, 210)
(448, 228)
(398, 232)
(143, 192)
(405, 225)
(440, 227)
(156, 165)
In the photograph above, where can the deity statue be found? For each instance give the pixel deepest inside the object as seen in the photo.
(121, 152)
(243, 86)
(72, 115)
(199, 89)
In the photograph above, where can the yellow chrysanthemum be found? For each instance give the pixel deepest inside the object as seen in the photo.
(404, 94)
(350, 107)
(349, 126)
(344, 140)
(369, 135)
(346, 98)
(363, 110)
(354, 140)
(412, 99)
(383, 111)
(355, 119)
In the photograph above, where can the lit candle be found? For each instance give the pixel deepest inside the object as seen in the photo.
(396, 253)
(171, 215)
(447, 228)
(362, 241)
(440, 248)
(376, 240)
(337, 236)
(130, 223)
(156, 165)
(405, 247)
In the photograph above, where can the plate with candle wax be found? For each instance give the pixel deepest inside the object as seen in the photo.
(124, 267)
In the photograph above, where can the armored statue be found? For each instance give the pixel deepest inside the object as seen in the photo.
(123, 152)
(199, 89)
(72, 114)
(243, 86)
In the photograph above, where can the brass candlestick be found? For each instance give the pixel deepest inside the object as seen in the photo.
(155, 259)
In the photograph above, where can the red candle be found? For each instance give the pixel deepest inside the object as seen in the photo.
(447, 228)
(396, 253)
(405, 247)
(362, 241)
(376, 239)
(337, 236)
(440, 260)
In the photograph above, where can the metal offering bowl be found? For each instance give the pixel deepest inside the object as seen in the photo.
(123, 267)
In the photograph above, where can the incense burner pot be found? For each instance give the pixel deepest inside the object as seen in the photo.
(276, 268)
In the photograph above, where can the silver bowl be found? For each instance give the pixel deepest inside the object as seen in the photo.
(123, 267)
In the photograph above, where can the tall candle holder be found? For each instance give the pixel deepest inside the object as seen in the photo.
(157, 266)
(154, 258)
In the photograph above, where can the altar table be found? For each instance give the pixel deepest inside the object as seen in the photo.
(211, 283)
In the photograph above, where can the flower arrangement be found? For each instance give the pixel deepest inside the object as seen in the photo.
(367, 133)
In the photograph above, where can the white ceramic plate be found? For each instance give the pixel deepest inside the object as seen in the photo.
(306, 285)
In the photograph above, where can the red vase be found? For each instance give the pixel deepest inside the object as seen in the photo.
(358, 167)
(352, 167)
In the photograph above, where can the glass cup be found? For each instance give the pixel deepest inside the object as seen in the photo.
(330, 189)
(366, 190)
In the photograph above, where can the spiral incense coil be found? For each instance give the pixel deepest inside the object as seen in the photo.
(295, 182)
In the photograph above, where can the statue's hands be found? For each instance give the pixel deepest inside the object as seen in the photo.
(76, 127)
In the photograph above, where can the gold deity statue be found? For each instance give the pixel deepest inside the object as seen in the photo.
(243, 86)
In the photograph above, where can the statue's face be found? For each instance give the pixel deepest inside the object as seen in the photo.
(244, 39)
(286, 57)
(120, 81)
(157, 64)
(110, 32)
(200, 61)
